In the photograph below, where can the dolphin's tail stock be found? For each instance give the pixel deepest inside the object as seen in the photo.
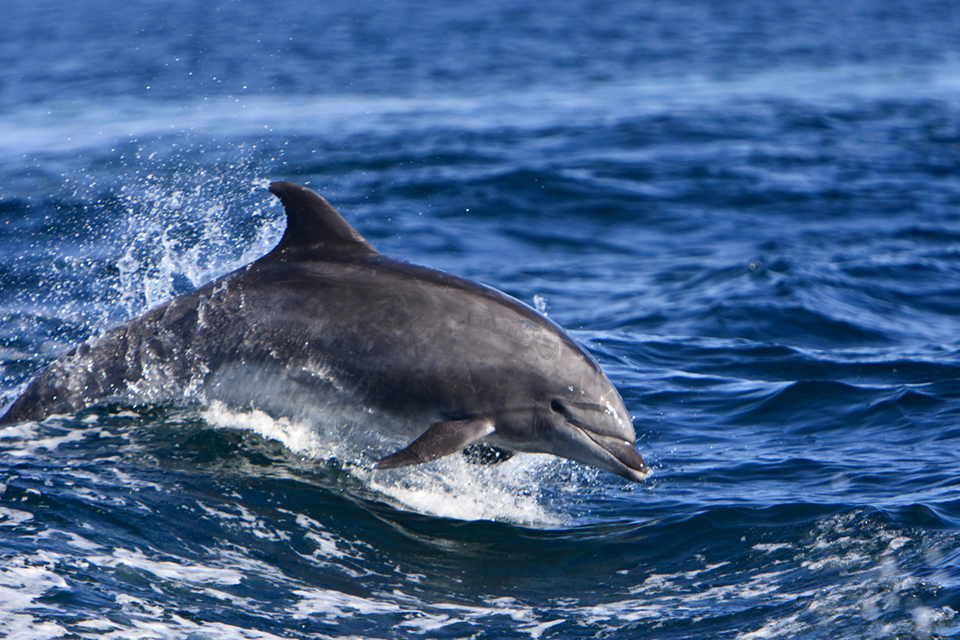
(151, 350)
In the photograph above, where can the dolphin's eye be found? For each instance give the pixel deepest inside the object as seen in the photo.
(557, 406)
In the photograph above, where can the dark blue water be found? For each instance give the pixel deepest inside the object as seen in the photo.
(749, 212)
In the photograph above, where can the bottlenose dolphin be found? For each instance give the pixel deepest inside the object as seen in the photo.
(327, 318)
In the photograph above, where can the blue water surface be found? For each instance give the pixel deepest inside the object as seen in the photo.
(748, 212)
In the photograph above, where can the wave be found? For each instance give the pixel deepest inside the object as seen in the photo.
(107, 122)
(254, 549)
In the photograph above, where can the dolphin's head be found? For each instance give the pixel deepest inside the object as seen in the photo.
(591, 427)
(597, 432)
(588, 426)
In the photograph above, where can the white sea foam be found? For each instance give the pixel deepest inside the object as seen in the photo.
(18, 432)
(770, 548)
(22, 581)
(866, 592)
(246, 520)
(27, 579)
(21, 441)
(331, 605)
(537, 630)
(860, 568)
(418, 617)
(13, 517)
(167, 570)
(73, 539)
(873, 585)
(167, 625)
(327, 546)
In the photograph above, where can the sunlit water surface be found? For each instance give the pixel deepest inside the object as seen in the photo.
(749, 215)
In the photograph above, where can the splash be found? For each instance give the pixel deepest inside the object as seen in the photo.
(184, 230)
(454, 488)
(161, 218)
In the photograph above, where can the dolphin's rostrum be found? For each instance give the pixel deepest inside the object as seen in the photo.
(324, 316)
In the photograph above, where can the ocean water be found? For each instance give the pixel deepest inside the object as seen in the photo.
(748, 212)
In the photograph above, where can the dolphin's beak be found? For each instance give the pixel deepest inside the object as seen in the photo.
(599, 435)
(616, 455)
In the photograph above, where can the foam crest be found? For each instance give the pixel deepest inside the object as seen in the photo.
(454, 488)
(296, 436)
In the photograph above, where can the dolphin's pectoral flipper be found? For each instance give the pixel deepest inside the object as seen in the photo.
(441, 439)
(485, 454)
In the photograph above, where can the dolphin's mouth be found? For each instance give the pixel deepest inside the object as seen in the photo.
(620, 455)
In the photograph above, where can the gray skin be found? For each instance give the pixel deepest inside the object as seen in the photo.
(327, 318)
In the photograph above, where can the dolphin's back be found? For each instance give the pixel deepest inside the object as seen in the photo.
(149, 355)
(81, 377)
(404, 335)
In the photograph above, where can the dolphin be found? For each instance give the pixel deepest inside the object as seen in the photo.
(324, 318)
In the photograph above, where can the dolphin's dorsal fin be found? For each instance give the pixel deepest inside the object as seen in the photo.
(314, 228)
